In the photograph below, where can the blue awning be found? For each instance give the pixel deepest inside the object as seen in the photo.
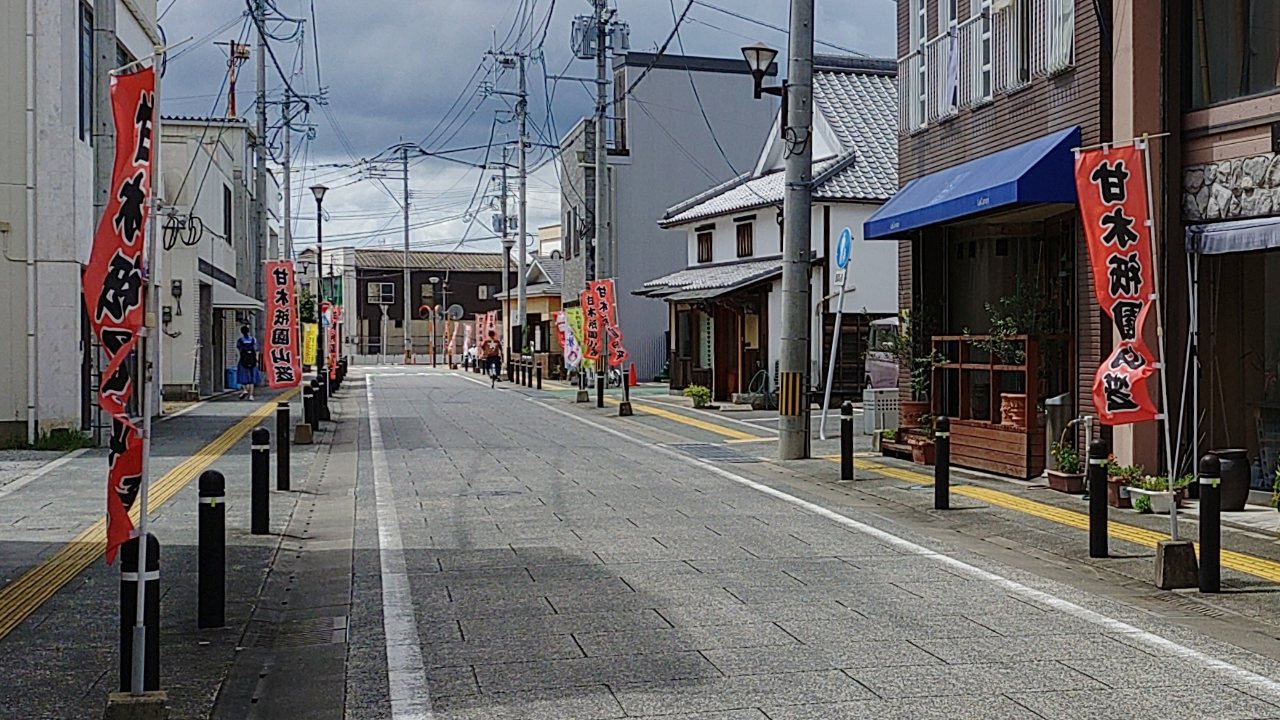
(1039, 171)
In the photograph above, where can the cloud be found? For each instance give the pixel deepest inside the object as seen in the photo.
(391, 71)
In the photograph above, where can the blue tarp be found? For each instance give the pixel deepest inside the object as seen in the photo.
(1039, 171)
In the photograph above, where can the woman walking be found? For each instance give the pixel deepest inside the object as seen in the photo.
(247, 368)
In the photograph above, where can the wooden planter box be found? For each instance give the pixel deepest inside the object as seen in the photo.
(1114, 497)
(923, 451)
(1000, 449)
(1066, 482)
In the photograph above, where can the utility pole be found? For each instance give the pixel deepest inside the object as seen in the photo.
(104, 151)
(260, 172)
(522, 111)
(508, 326)
(286, 249)
(408, 317)
(604, 249)
(793, 375)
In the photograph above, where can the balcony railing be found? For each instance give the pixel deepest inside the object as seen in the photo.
(910, 89)
(939, 54)
(975, 80)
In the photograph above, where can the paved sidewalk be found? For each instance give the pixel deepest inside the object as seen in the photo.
(61, 654)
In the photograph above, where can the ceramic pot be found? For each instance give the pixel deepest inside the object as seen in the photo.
(1013, 409)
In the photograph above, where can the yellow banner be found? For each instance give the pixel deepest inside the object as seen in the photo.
(310, 339)
(574, 315)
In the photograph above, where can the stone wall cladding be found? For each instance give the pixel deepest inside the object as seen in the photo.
(1231, 189)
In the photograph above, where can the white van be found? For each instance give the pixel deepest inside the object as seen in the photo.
(882, 362)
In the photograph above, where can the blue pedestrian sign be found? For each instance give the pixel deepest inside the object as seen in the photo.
(843, 247)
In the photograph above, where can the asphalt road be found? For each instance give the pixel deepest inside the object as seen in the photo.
(517, 558)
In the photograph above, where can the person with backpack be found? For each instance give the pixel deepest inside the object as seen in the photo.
(247, 367)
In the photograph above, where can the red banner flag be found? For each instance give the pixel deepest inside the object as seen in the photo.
(284, 361)
(591, 325)
(600, 297)
(1112, 185)
(113, 290)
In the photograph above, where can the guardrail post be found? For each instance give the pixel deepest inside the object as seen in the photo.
(260, 492)
(941, 464)
(129, 578)
(282, 445)
(846, 440)
(1098, 453)
(1210, 524)
(211, 585)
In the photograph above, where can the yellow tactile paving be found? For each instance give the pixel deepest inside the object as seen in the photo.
(1258, 567)
(23, 596)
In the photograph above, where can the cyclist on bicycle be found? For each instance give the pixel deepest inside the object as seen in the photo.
(491, 352)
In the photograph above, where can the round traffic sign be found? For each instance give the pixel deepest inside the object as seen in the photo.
(843, 247)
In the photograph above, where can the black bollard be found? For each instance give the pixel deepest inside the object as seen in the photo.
(129, 614)
(511, 370)
(1098, 499)
(624, 407)
(282, 445)
(1210, 524)
(599, 390)
(846, 440)
(941, 464)
(538, 374)
(260, 492)
(211, 572)
(309, 403)
(322, 400)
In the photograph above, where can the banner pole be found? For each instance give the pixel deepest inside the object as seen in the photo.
(148, 387)
(1144, 145)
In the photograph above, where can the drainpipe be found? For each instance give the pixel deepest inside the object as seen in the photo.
(32, 420)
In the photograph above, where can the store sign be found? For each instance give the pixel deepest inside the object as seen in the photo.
(113, 290)
(284, 362)
(1114, 205)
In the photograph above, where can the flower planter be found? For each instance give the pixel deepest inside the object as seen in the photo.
(910, 412)
(923, 451)
(1118, 494)
(1066, 482)
(1161, 500)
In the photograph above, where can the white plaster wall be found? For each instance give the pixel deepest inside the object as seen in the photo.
(873, 266)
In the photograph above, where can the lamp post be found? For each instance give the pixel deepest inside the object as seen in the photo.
(318, 191)
(508, 244)
(796, 122)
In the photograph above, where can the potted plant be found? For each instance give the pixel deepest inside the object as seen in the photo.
(1068, 474)
(1151, 494)
(923, 451)
(700, 395)
(1119, 479)
(909, 351)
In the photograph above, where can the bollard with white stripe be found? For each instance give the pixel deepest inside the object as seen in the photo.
(211, 570)
(846, 440)
(941, 463)
(1210, 524)
(260, 491)
(129, 578)
(1098, 499)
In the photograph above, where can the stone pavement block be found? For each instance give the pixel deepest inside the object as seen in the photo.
(514, 648)
(484, 592)
(706, 637)
(937, 680)
(1188, 703)
(586, 703)
(744, 714)
(949, 707)
(559, 624)
(858, 628)
(707, 598)
(1124, 672)
(802, 658)
(1031, 621)
(1020, 649)
(655, 667)
(698, 615)
(739, 691)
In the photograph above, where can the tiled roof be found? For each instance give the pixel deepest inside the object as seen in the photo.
(422, 260)
(553, 268)
(859, 101)
(711, 280)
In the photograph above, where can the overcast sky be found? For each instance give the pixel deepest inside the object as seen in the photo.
(393, 69)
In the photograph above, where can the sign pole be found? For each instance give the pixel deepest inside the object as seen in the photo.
(149, 387)
(843, 249)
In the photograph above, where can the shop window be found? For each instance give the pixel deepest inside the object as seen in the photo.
(704, 247)
(1235, 49)
(745, 240)
(482, 292)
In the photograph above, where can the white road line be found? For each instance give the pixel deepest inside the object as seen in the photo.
(34, 475)
(406, 674)
(1150, 639)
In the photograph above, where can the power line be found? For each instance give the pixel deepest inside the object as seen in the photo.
(771, 26)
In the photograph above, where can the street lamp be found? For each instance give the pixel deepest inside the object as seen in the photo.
(760, 58)
(507, 244)
(318, 191)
